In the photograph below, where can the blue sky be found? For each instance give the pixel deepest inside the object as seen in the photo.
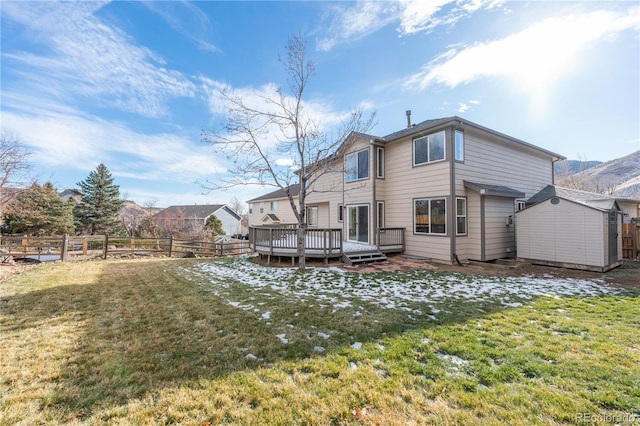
(133, 84)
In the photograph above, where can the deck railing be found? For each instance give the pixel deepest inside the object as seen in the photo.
(319, 242)
(390, 239)
(278, 239)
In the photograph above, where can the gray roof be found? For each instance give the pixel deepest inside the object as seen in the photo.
(429, 125)
(196, 211)
(294, 190)
(271, 216)
(495, 190)
(590, 199)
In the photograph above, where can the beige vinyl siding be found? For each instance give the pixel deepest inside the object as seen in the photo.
(402, 184)
(283, 211)
(497, 162)
(499, 238)
(332, 189)
(567, 233)
(471, 248)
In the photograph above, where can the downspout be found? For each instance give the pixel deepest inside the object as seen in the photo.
(452, 197)
(374, 205)
(482, 227)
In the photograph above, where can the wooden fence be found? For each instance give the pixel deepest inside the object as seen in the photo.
(67, 247)
(631, 240)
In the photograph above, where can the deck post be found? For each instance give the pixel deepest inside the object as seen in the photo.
(63, 249)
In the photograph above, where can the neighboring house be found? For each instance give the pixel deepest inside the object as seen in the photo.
(71, 193)
(191, 219)
(571, 228)
(453, 185)
(273, 208)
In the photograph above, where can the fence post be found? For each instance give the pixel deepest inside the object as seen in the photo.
(64, 248)
(106, 245)
(170, 245)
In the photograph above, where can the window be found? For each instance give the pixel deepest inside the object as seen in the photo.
(430, 216)
(380, 214)
(358, 165)
(520, 204)
(340, 212)
(312, 216)
(272, 206)
(428, 149)
(459, 145)
(461, 216)
(250, 208)
(261, 208)
(380, 162)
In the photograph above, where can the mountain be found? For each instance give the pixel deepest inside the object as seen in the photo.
(573, 166)
(619, 177)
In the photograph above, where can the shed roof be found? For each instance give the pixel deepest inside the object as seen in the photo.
(495, 190)
(590, 199)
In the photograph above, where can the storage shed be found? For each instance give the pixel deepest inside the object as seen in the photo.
(570, 228)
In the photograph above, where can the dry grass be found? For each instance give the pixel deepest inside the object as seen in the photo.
(157, 342)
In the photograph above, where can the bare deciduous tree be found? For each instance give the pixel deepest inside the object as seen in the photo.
(15, 168)
(275, 139)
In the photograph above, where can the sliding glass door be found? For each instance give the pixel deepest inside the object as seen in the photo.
(358, 223)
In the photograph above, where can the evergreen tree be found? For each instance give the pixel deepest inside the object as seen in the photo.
(39, 210)
(214, 225)
(97, 212)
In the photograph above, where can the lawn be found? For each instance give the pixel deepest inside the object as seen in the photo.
(193, 341)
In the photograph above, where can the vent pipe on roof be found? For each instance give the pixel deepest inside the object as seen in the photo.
(408, 119)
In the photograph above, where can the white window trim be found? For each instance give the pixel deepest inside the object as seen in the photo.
(466, 216)
(444, 152)
(519, 202)
(357, 153)
(430, 199)
(315, 208)
(455, 143)
(380, 162)
(380, 217)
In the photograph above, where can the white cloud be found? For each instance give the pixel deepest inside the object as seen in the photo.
(75, 141)
(187, 19)
(91, 60)
(533, 59)
(360, 19)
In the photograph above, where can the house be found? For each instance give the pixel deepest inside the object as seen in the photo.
(274, 208)
(191, 219)
(571, 228)
(452, 186)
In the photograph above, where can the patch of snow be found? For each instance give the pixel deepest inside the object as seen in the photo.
(251, 357)
(353, 365)
(282, 338)
(319, 349)
(415, 292)
(452, 359)
(324, 336)
(356, 345)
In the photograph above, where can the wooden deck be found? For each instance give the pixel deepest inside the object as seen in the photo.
(324, 243)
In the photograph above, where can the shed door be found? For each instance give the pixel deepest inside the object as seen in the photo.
(613, 237)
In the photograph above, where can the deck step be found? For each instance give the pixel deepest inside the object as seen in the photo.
(355, 258)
